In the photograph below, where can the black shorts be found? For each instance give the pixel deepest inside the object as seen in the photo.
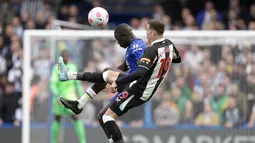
(126, 101)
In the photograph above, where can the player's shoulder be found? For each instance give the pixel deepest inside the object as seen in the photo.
(137, 43)
(169, 41)
(151, 49)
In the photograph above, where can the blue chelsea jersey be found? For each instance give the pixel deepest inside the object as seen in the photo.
(134, 53)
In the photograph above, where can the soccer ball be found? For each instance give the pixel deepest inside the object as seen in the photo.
(98, 17)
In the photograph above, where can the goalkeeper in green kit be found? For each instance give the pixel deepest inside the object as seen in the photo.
(67, 90)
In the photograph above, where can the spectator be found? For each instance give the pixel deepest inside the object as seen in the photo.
(251, 15)
(188, 116)
(185, 91)
(208, 117)
(40, 20)
(3, 81)
(17, 27)
(240, 24)
(135, 23)
(167, 21)
(188, 75)
(143, 23)
(232, 116)
(167, 113)
(8, 34)
(201, 83)
(252, 25)
(158, 12)
(185, 13)
(177, 98)
(177, 26)
(240, 97)
(63, 13)
(30, 24)
(9, 104)
(74, 13)
(2, 65)
(206, 15)
(219, 100)
(190, 23)
(6, 13)
(252, 118)
(231, 19)
(25, 16)
(235, 4)
(193, 57)
(15, 73)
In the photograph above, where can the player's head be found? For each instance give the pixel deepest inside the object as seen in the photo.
(154, 30)
(124, 35)
(65, 56)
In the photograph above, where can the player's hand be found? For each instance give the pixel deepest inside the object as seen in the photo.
(113, 87)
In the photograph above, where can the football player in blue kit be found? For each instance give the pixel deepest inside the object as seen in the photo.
(134, 51)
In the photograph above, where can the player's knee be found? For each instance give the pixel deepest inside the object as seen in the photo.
(100, 117)
(105, 75)
(57, 118)
(107, 118)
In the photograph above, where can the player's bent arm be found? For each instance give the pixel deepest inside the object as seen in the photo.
(145, 64)
(123, 66)
(176, 56)
(131, 77)
(177, 60)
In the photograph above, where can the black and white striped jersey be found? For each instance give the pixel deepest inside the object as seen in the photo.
(156, 60)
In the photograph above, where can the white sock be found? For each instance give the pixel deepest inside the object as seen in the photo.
(105, 76)
(72, 75)
(111, 140)
(86, 97)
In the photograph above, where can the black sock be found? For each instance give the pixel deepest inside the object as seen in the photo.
(94, 77)
(98, 87)
(101, 122)
(114, 131)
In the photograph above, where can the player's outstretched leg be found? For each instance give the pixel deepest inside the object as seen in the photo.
(63, 70)
(72, 105)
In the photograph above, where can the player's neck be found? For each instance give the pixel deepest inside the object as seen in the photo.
(159, 37)
(132, 39)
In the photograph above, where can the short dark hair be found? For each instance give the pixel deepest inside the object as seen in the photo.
(157, 25)
(124, 30)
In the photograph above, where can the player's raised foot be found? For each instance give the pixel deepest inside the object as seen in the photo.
(72, 105)
(62, 70)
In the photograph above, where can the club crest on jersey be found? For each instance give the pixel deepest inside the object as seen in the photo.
(123, 95)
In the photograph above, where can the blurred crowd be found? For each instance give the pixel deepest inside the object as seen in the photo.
(213, 86)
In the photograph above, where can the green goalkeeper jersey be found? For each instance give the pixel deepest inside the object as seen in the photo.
(68, 89)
